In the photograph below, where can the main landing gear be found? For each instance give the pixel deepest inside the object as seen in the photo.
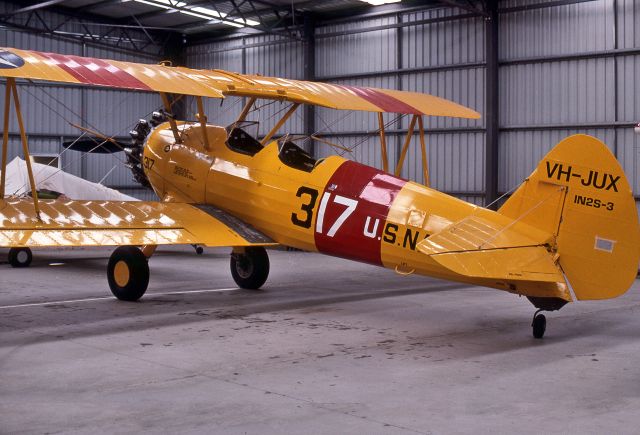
(128, 270)
(128, 273)
(20, 257)
(250, 267)
(539, 324)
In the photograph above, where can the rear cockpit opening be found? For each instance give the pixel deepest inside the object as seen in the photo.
(293, 156)
(240, 141)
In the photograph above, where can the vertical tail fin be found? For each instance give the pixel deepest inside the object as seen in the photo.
(579, 193)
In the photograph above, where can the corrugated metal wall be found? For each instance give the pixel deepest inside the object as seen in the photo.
(563, 69)
(48, 110)
(568, 69)
(416, 53)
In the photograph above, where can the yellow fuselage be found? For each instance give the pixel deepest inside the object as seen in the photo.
(339, 208)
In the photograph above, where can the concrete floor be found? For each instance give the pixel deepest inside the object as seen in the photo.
(328, 347)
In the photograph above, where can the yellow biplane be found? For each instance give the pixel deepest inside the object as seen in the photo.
(570, 230)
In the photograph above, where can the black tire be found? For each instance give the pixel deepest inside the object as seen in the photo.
(20, 257)
(539, 325)
(128, 273)
(250, 270)
(199, 250)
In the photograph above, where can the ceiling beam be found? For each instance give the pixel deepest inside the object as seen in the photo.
(235, 13)
(34, 7)
(95, 30)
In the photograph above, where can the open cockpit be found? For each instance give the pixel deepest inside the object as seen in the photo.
(241, 141)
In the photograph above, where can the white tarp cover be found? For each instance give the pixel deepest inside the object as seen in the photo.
(54, 179)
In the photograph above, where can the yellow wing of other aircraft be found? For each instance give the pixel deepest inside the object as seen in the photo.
(51, 67)
(112, 223)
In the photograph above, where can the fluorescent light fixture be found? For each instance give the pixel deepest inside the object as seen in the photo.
(152, 4)
(380, 2)
(231, 23)
(246, 22)
(194, 14)
(165, 4)
(198, 12)
(209, 12)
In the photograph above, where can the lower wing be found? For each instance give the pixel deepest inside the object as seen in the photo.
(113, 223)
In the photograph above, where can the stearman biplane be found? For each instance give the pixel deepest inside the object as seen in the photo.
(569, 232)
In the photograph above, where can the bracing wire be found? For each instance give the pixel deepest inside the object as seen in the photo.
(522, 216)
(63, 117)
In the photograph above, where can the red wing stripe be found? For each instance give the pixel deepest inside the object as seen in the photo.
(96, 72)
(382, 100)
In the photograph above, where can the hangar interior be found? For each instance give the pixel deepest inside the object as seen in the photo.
(537, 71)
(328, 346)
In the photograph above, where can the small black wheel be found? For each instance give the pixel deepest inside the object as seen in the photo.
(128, 273)
(199, 250)
(20, 257)
(251, 268)
(539, 325)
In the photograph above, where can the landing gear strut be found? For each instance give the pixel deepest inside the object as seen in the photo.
(128, 273)
(20, 257)
(250, 268)
(539, 324)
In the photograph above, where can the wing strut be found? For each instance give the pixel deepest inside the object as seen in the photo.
(203, 123)
(383, 144)
(245, 110)
(172, 120)
(11, 88)
(405, 147)
(423, 147)
(280, 123)
(5, 139)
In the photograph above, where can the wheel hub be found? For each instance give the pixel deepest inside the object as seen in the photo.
(244, 267)
(22, 257)
(121, 273)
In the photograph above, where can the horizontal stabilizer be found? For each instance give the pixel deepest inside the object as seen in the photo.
(531, 263)
(482, 248)
(475, 233)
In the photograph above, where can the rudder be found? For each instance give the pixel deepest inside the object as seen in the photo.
(580, 194)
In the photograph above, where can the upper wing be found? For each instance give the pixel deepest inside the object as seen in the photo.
(61, 68)
(111, 223)
(52, 67)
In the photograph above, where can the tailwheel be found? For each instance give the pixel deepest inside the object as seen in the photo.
(128, 273)
(539, 324)
(250, 268)
(20, 257)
